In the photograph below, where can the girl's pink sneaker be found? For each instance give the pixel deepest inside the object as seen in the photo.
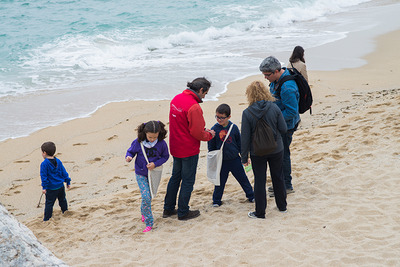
(143, 218)
(147, 229)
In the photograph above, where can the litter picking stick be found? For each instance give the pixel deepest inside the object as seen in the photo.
(38, 205)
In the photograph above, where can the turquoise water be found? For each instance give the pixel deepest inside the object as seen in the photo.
(76, 56)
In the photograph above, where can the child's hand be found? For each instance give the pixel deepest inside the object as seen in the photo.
(212, 132)
(68, 186)
(44, 191)
(128, 159)
(151, 166)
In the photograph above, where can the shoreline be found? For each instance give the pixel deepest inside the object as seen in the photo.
(358, 42)
(353, 127)
(115, 113)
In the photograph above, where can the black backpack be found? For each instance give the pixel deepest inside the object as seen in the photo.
(263, 139)
(305, 100)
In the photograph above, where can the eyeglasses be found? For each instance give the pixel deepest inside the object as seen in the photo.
(267, 75)
(220, 118)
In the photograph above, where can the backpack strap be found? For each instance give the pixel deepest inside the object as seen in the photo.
(279, 84)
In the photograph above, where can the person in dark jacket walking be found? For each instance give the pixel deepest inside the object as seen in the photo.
(259, 99)
(53, 176)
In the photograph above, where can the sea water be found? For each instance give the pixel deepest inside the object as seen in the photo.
(61, 60)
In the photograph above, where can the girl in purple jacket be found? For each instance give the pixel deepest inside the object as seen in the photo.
(151, 134)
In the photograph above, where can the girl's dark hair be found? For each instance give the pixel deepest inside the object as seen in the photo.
(224, 109)
(199, 83)
(151, 127)
(298, 54)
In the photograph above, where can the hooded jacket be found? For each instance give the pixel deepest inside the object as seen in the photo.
(232, 144)
(53, 177)
(157, 154)
(273, 117)
(288, 101)
(186, 125)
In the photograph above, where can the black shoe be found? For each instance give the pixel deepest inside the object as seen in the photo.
(169, 213)
(190, 215)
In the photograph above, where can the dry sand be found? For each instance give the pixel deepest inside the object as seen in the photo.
(345, 158)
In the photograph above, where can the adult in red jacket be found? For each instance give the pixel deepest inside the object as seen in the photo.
(186, 130)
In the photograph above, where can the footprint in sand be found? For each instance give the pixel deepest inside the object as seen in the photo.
(328, 125)
(112, 137)
(94, 160)
(376, 112)
(22, 161)
(115, 178)
(80, 144)
(74, 187)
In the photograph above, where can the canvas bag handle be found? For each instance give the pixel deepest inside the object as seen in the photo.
(227, 135)
(144, 152)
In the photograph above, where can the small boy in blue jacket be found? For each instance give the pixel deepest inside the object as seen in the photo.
(53, 175)
(231, 161)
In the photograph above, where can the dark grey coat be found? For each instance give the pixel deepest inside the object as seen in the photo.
(273, 117)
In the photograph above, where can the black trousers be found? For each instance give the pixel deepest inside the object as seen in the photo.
(51, 196)
(259, 164)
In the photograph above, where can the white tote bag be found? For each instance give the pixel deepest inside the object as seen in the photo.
(154, 176)
(214, 162)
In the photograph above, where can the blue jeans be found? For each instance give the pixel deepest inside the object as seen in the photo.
(51, 197)
(287, 164)
(235, 167)
(183, 176)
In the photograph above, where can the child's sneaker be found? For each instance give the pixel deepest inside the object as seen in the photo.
(215, 205)
(147, 229)
(143, 219)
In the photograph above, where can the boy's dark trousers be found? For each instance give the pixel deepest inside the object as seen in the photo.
(236, 168)
(51, 196)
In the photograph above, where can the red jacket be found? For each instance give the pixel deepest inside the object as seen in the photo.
(186, 125)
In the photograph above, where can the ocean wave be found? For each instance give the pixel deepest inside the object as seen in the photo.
(118, 50)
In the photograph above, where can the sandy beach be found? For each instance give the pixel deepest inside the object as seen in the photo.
(345, 160)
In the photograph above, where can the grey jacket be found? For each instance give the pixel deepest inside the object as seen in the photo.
(273, 117)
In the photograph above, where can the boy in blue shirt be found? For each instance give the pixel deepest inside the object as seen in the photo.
(53, 175)
(231, 161)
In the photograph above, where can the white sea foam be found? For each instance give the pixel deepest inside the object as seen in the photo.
(120, 63)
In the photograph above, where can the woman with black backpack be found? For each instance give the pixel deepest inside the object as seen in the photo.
(263, 116)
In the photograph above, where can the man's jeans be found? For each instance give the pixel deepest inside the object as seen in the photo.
(183, 170)
(287, 165)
